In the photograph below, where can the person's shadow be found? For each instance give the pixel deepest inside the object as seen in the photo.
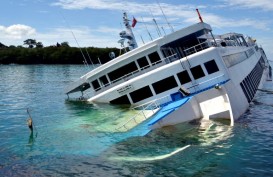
(31, 139)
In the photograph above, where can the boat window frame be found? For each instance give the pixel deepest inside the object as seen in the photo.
(197, 72)
(154, 59)
(141, 94)
(163, 85)
(211, 66)
(183, 79)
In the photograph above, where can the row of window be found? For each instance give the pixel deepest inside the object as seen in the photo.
(167, 83)
(154, 58)
(231, 60)
(250, 84)
(124, 70)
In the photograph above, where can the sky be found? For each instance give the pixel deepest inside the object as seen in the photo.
(97, 23)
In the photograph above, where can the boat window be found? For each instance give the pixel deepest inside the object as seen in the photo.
(250, 84)
(96, 85)
(141, 94)
(233, 59)
(211, 67)
(143, 63)
(122, 71)
(164, 85)
(197, 72)
(121, 100)
(183, 77)
(154, 58)
(242, 84)
(103, 80)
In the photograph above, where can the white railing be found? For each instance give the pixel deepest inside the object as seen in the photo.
(197, 48)
(202, 85)
(153, 66)
(159, 102)
(138, 72)
(152, 106)
(156, 104)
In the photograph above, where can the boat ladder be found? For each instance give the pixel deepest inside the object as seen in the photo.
(144, 112)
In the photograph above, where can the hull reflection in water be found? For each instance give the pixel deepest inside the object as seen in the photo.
(160, 157)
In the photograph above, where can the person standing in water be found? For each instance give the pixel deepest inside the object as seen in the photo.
(29, 122)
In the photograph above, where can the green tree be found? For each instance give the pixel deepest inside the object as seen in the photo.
(2, 45)
(30, 43)
(65, 44)
(39, 45)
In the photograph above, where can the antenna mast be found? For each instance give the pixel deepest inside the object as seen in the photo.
(165, 17)
(157, 28)
(128, 34)
(201, 20)
(147, 29)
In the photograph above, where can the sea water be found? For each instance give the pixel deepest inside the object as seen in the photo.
(79, 139)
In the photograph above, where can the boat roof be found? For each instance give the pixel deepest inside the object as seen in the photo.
(148, 47)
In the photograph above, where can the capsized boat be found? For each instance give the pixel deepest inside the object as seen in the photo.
(186, 75)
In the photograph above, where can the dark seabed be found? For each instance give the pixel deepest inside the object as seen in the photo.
(76, 139)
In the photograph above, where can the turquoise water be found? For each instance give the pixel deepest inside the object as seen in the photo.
(77, 139)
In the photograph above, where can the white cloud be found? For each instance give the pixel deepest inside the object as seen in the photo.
(178, 16)
(100, 4)
(266, 43)
(183, 14)
(80, 36)
(107, 30)
(121, 5)
(16, 34)
(262, 4)
(222, 22)
(17, 31)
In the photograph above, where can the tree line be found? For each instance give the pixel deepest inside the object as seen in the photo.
(35, 53)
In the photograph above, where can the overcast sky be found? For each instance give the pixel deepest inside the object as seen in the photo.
(98, 22)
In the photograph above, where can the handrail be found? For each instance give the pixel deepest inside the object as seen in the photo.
(154, 104)
(139, 113)
(168, 96)
(194, 49)
(154, 65)
(206, 81)
(155, 100)
(158, 103)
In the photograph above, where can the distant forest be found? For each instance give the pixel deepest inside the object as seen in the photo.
(32, 52)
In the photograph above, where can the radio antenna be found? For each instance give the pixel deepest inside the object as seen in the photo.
(157, 28)
(85, 61)
(147, 29)
(165, 16)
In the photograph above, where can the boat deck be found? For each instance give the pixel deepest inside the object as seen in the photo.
(144, 127)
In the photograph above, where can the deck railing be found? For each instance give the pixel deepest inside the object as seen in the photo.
(153, 107)
(156, 104)
(199, 86)
(197, 48)
(138, 72)
(157, 64)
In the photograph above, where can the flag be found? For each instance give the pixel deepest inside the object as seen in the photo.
(134, 22)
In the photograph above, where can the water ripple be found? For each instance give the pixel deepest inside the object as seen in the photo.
(72, 139)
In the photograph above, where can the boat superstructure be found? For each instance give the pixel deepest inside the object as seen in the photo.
(217, 75)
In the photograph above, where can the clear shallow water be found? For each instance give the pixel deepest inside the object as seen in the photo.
(76, 139)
